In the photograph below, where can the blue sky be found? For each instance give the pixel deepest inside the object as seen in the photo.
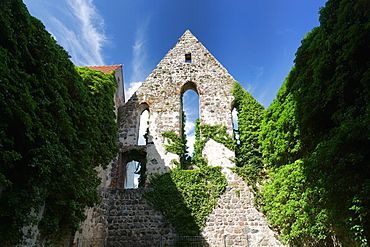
(255, 40)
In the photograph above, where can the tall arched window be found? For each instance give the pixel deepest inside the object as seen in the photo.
(144, 127)
(190, 107)
(234, 114)
(135, 168)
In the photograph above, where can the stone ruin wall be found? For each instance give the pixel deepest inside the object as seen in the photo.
(234, 221)
(161, 93)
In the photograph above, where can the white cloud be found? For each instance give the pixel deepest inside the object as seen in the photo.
(234, 114)
(139, 53)
(189, 127)
(132, 88)
(76, 25)
(190, 143)
(190, 135)
(144, 118)
(258, 72)
(88, 32)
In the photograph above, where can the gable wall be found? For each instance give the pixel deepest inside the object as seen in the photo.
(234, 221)
(162, 91)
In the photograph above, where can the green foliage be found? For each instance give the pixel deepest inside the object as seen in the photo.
(205, 132)
(186, 197)
(55, 128)
(177, 145)
(280, 135)
(290, 206)
(248, 154)
(321, 117)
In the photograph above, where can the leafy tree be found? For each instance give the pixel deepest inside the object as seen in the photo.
(321, 117)
(55, 128)
(290, 205)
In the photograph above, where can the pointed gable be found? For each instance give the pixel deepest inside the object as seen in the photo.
(188, 65)
(188, 60)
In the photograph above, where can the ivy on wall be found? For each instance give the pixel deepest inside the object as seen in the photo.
(177, 145)
(248, 155)
(186, 197)
(55, 129)
(205, 132)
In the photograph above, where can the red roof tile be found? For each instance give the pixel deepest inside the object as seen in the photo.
(105, 69)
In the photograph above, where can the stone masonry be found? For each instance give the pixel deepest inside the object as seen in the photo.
(235, 221)
(189, 65)
(124, 218)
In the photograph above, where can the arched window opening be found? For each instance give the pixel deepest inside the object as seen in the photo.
(144, 128)
(135, 168)
(190, 108)
(234, 114)
(132, 175)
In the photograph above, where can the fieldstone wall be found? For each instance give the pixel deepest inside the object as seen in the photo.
(124, 218)
(235, 221)
(161, 93)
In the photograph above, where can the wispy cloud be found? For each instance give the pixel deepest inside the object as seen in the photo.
(190, 143)
(191, 108)
(77, 26)
(190, 135)
(189, 127)
(139, 56)
(131, 89)
(89, 32)
(139, 53)
(286, 30)
(144, 118)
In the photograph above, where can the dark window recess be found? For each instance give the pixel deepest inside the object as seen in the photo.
(188, 58)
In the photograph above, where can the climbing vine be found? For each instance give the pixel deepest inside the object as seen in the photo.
(56, 127)
(316, 135)
(248, 156)
(186, 197)
(177, 145)
(205, 132)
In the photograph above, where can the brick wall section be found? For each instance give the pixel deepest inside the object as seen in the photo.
(132, 222)
(126, 219)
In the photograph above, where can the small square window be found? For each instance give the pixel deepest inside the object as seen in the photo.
(188, 57)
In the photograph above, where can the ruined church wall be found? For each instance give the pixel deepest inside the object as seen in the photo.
(124, 218)
(162, 92)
